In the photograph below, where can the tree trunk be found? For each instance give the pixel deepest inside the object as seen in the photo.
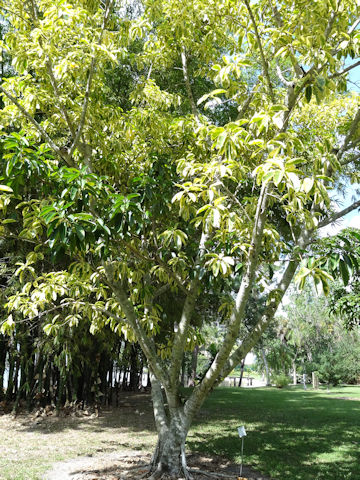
(134, 368)
(294, 373)
(241, 371)
(169, 458)
(194, 360)
(267, 371)
(172, 425)
(183, 367)
(3, 351)
(10, 385)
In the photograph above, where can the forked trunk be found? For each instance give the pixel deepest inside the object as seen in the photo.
(169, 457)
(172, 425)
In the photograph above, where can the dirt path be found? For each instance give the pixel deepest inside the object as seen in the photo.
(132, 465)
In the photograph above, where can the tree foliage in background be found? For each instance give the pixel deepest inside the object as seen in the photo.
(311, 337)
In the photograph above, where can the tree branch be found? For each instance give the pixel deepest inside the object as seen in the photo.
(247, 102)
(15, 14)
(146, 343)
(158, 404)
(161, 290)
(53, 82)
(353, 27)
(200, 392)
(351, 159)
(350, 67)
(349, 135)
(251, 339)
(330, 24)
(62, 106)
(287, 83)
(108, 8)
(262, 55)
(45, 137)
(184, 323)
(17, 238)
(188, 86)
(338, 215)
(162, 263)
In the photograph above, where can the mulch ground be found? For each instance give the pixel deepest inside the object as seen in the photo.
(132, 465)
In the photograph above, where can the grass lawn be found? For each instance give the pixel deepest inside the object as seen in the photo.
(292, 434)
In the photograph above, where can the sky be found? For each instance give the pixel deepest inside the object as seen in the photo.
(351, 219)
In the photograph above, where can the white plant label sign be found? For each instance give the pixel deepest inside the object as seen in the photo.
(241, 431)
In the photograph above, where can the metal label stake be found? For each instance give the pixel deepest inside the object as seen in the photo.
(242, 434)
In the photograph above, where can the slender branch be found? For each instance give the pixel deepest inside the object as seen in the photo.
(247, 102)
(350, 67)
(350, 134)
(62, 106)
(15, 237)
(281, 76)
(292, 97)
(46, 138)
(84, 108)
(330, 24)
(46, 312)
(236, 200)
(351, 159)
(184, 323)
(15, 14)
(53, 81)
(297, 68)
(34, 10)
(188, 86)
(165, 266)
(108, 8)
(147, 344)
(262, 55)
(199, 393)
(338, 215)
(161, 290)
(67, 304)
(255, 334)
(149, 71)
(353, 26)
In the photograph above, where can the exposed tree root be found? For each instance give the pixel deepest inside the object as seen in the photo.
(187, 476)
(141, 465)
(211, 474)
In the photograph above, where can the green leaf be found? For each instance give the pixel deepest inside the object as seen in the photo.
(307, 185)
(80, 231)
(8, 220)
(221, 140)
(5, 188)
(278, 176)
(344, 271)
(308, 93)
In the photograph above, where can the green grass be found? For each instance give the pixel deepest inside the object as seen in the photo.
(292, 434)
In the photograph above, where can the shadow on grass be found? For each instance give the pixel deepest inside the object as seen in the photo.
(292, 434)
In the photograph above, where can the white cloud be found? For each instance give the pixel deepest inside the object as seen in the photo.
(353, 221)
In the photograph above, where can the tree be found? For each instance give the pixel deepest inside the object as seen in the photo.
(168, 197)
